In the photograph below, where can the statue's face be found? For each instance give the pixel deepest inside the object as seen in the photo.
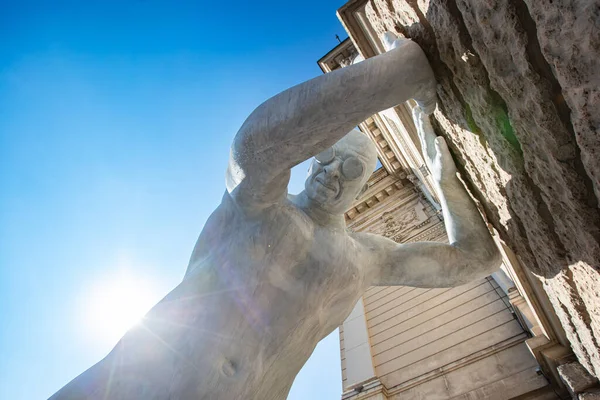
(338, 174)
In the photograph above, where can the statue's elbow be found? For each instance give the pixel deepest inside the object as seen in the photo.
(493, 260)
(485, 262)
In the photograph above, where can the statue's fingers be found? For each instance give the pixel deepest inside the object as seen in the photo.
(417, 113)
(388, 39)
(440, 143)
(430, 147)
(391, 41)
(423, 126)
(443, 152)
(426, 123)
(422, 120)
(426, 134)
(418, 120)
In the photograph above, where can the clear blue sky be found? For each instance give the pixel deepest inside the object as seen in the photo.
(115, 124)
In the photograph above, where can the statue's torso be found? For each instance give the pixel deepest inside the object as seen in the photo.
(260, 293)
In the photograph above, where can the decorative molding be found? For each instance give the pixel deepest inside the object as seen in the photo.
(436, 233)
(394, 224)
(340, 56)
(351, 15)
(366, 203)
(388, 155)
(398, 203)
(377, 176)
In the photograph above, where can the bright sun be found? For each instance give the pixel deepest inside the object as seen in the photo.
(115, 304)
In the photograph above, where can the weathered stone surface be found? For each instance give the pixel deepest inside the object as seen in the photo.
(512, 59)
(519, 104)
(576, 378)
(595, 395)
(569, 35)
(587, 282)
(575, 319)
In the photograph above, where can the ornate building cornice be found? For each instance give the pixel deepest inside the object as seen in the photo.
(340, 56)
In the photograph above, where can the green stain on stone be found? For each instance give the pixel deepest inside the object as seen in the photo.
(471, 124)
(503, 123)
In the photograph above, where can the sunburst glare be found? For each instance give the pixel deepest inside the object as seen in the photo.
(116, 303)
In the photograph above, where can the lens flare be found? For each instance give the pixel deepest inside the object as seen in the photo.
(115, 304)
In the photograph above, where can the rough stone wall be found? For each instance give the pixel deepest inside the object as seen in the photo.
(519, 104)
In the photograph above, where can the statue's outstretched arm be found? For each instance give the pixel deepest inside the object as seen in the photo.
(471, 253)
(308, 118)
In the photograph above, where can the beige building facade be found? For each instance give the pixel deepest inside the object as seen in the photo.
(503, 337)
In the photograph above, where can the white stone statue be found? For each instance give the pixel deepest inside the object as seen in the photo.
(273, 274)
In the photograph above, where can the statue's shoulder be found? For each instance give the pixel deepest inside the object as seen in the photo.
(249, 204)
(233, 204)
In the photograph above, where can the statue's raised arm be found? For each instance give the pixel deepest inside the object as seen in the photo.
(308, 118)
(471, 252)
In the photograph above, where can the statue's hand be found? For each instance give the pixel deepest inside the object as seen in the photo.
(391, 41)
(435, 150)
(426, 96)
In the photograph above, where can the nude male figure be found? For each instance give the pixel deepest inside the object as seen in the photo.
(273, 274)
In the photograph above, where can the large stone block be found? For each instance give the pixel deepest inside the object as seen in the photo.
(576, 378)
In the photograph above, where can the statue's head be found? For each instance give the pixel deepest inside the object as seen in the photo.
(338, 175)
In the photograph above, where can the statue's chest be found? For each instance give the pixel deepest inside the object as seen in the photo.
(332, 256)
(281, 244)
(307, 273)
(304, 259)
(288, 270)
